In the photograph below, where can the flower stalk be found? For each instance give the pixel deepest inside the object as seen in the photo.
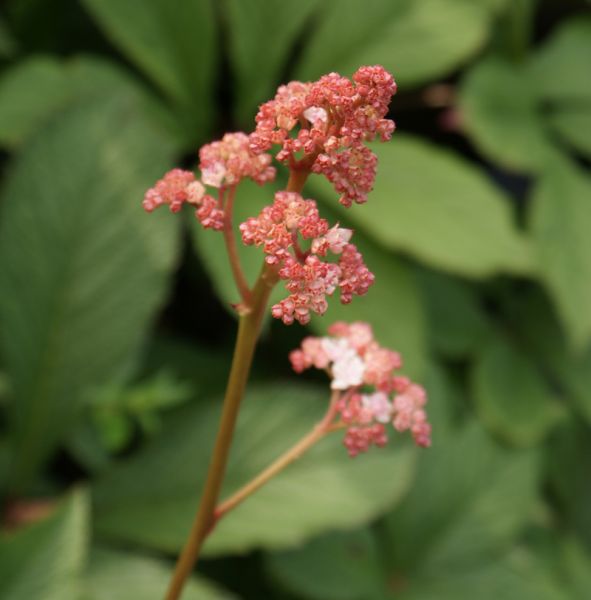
(250, 319)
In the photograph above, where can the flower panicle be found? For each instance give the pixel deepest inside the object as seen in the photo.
(320, 127)
(372, 393)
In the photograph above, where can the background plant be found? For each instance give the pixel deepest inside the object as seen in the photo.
(477, 234)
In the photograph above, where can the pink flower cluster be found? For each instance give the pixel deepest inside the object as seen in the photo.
(223, 164)
(356, 362)
(178, 187)
(336, 116)
(308, 278)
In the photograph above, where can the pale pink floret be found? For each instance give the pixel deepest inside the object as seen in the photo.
(379, 405)
(278, 229)
(228, 161)
(355, 278)
(178, 187)
(311, 354)
(347, 366)
(335, 240)
(209, 214)
(360, 439)
(410, 414)
(351, 171)
(172, 189)
(278, 116)
(373, 394)
(381, 362)
(309, 284)
(276, 225)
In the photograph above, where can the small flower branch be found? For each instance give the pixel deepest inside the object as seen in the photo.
(324, 427)
(233, 257)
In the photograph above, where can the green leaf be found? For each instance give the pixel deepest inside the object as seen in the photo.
(569, 467)
(255, 27)
(35, 89)
(173, 42)
(7, 42)
(116, 575)
(576, 566)
(502, 115)
(417, 41)
(511, 396)
(83, 269)
(457, 323)
(561, 72)
(561, 67)
(574, 126)
(150, 499)
(469, 501)
(29, 91)
(510, 579)
(45, 561)
(533, 317)
(338, 566)
(203, 368)
(560, 222)
(442, 210)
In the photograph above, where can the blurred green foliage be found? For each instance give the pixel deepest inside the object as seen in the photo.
(115, 338)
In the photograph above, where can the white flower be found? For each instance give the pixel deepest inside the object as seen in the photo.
(379, 405)
(347, 367)
(195, 192)
(214, 174)
(315, 113)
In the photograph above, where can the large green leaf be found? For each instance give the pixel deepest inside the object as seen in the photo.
(561, 73)
(83, 270)
(7, 42)
(533, 318)
(514, 578)
(28, 92)
(457, 323)
(561, 67)
(574, 126)
(569, 467)
(116, 575)
(560, 222)
(45, 561)
(417, 41)
(502, 115)
(575, 568)
(255, 28)
(173, 42)
(511, 395)
(35, 89)
(338, 566)
(469, 501)
(434, 205)
(150, 499)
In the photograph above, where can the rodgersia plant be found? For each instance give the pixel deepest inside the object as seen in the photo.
(312, 128)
